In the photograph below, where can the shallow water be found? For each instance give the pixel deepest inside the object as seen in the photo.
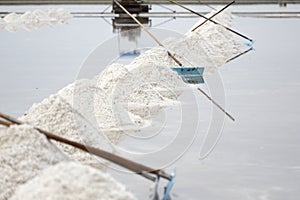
(257, 156)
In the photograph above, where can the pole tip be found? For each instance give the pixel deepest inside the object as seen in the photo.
(250, 43)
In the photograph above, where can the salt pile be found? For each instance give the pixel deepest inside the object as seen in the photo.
(69, 180)
(59, 112)
(35, 19)
(124, 97)
(140, 88)
(56, 114)
(24, 154)
(210, 46)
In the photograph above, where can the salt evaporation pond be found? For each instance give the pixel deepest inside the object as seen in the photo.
(257, 155)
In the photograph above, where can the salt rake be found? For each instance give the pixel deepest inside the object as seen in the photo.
(144, 171)
(190, 75)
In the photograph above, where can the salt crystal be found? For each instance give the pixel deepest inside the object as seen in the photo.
(69, 180)
(24, 154)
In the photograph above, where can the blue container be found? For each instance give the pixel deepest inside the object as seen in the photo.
(188, 70)
(190, 75)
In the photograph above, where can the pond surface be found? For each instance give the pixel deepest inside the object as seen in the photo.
(257, 156)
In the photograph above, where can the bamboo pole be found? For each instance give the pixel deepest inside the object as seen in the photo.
(240, 54)
(126, 163)
(215, 103)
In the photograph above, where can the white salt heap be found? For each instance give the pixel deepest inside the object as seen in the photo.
(69, 180)
(210, 46)
(12, 22)
(124, 97)
(24, 154)
(137, 88)
(34, 20)
(57, 115)
(98, 98)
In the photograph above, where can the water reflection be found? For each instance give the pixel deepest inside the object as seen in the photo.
(128, 30)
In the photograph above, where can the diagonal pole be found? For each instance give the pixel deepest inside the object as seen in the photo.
(213, 15)
(148, 32)
(218, 105)
(126, 163)
(235, 57)
(211, 20)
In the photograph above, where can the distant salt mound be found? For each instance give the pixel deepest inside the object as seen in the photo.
(24, 154)
(34, 19)
(69, 180)
(209, 46)
(2, 23)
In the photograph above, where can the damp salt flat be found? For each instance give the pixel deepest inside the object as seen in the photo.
(257, 155)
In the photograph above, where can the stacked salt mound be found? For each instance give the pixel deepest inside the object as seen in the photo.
(85, 109)
(68, 180)
(24, 154)
(56, 114)
(209, 46)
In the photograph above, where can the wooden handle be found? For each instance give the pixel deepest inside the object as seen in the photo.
(131, 165)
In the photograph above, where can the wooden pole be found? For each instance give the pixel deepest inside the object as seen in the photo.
(214, 102)
(196, 13)
(131, 165)
(148, 32)
(213, 15)
(235, 57)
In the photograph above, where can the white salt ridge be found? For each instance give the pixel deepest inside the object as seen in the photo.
(210, 46)
(24, 154)
(56, 115)
(94, 100)
(34, 20)
(124, 97)
(69, 180)
(12, 22)
(143, 84)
